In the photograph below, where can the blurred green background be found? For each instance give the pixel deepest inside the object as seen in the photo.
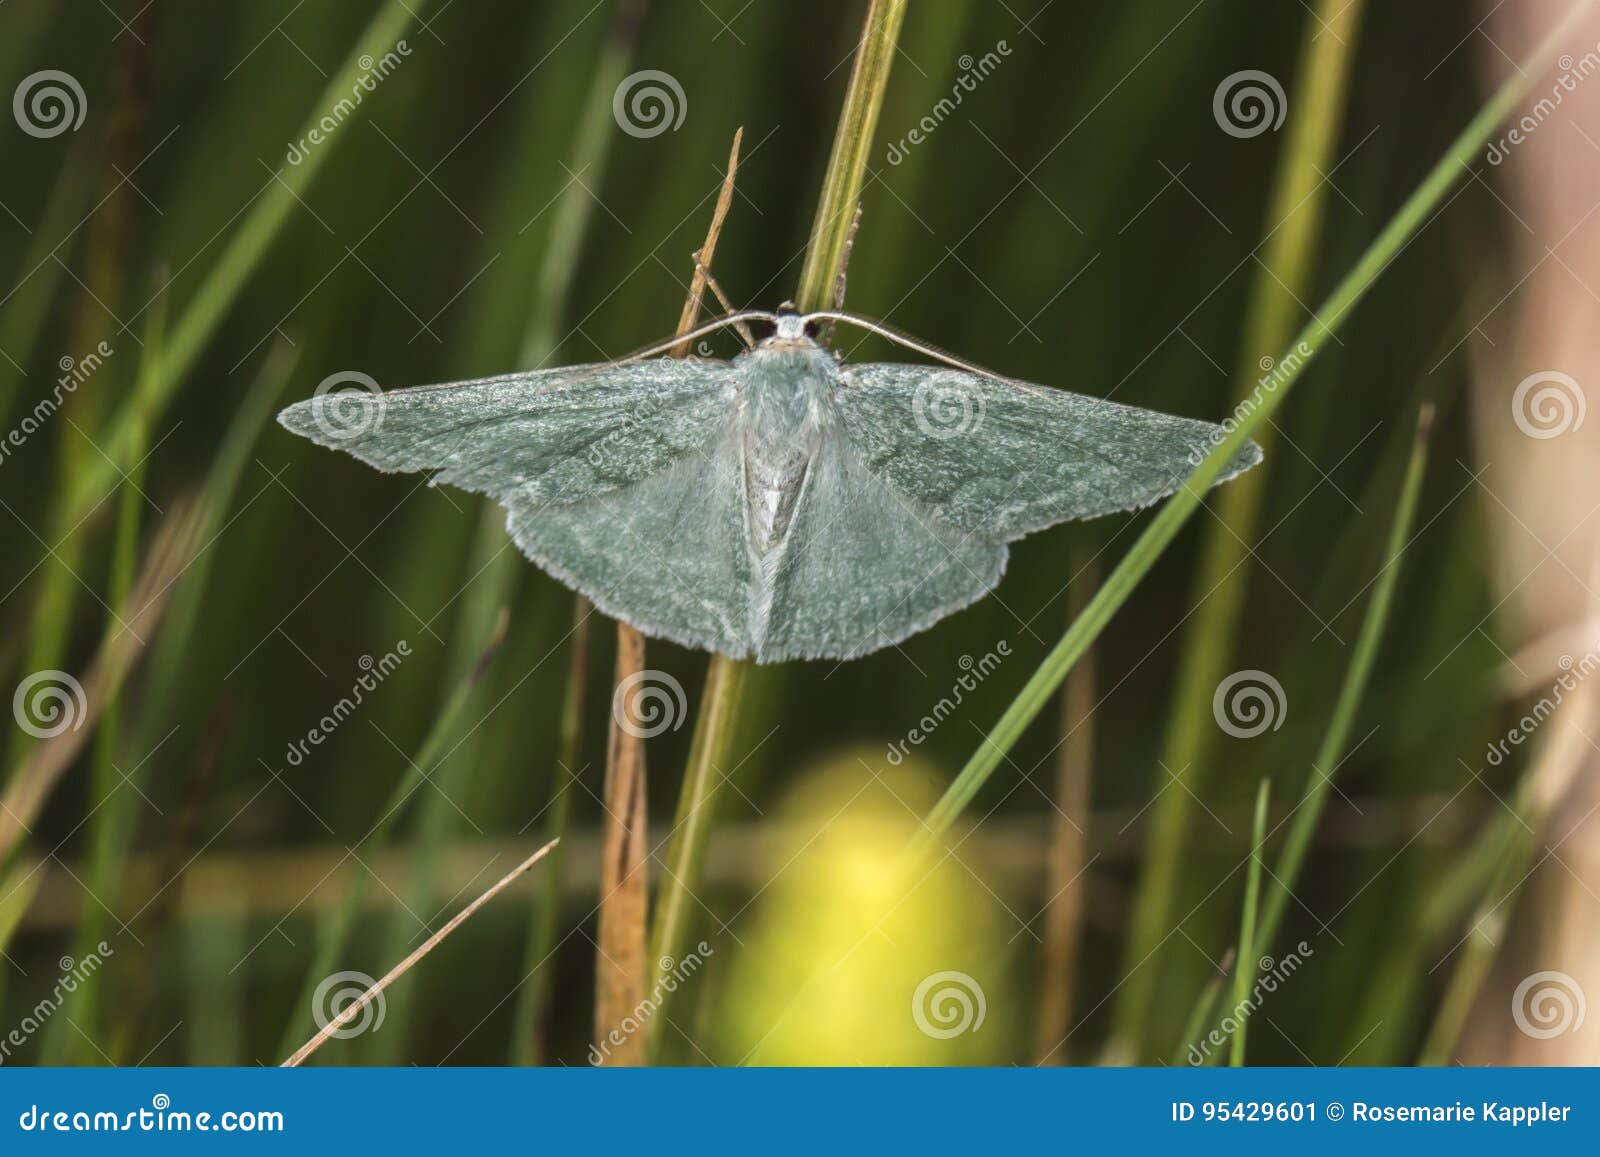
(1079, 220)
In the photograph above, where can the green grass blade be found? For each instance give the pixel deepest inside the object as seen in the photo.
(197, 323)
(111, 815)
(1283, 279)
(1205, 1009)
(23, 312)
(171, 655)
(847, 165)
(1332, 750)
(16, 894)
(1418, 209)
(1306, 816)
(691, 825)
(1516, 839)
(1244, 975)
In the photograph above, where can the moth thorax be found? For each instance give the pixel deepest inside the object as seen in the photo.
(780, 414)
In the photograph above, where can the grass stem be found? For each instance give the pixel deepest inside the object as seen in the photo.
(713, 733)
(1331, 752)
(1282, 282)
(827, 251)
(847, 165)
(1244, 973)
(1418, 210)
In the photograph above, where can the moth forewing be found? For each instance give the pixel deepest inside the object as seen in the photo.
(780, 505)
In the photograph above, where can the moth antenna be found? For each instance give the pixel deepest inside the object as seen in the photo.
(698, 331)
(722, 299)
(911, 343)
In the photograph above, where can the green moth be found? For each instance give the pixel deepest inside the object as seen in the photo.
(781, 505)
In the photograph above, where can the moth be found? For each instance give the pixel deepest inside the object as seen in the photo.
(780, 505)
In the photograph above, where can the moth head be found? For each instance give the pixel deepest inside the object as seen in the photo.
(791, 325)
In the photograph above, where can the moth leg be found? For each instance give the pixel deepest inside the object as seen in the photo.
(722, 300)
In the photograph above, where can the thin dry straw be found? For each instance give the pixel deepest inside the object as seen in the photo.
(724, 677)
(832, 234)
(41, 771)
(1068, 862)
(626, 969)
(353, 1009)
